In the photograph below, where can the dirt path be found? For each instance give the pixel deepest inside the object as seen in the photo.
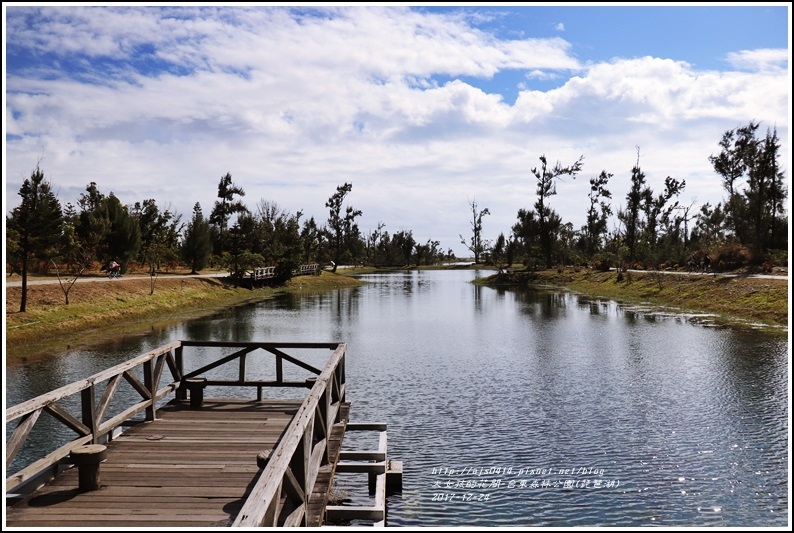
(91, 279)
(782, 276)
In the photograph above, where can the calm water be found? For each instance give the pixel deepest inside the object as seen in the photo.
(530, 408)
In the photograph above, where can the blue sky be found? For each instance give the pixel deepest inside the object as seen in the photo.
(422, 108)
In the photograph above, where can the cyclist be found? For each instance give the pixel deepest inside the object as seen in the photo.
(114, 269)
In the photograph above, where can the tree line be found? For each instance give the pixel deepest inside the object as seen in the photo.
(42, 236)
(651, 227)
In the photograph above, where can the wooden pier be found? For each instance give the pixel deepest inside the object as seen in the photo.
(183, 456)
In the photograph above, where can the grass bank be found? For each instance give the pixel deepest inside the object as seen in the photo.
(732, 299)
(100, 310)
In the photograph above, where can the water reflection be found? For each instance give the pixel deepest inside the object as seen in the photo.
(682, 424)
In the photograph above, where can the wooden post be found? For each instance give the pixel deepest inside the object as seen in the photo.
(181, 393)
(88, 407)
(196, 388)
(372, 482)
(394, 477)
(262, 458)
(149, 383)
(87, 459)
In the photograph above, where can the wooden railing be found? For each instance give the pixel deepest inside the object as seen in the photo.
(288, 477)
(269, 272)
(309, 269)
(262, 273)
(91, 427)
(281, 495)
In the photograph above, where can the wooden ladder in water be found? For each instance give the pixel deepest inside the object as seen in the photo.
(384, 478)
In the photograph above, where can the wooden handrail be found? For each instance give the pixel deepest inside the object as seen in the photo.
(260, 273)
(92, 428)
(12, 413)
(292, 469)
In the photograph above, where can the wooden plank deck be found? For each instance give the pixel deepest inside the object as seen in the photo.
(188, 468)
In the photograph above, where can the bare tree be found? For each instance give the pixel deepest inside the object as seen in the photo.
(476, 244)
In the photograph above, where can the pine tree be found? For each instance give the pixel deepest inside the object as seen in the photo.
(37, 223)
(197, 241)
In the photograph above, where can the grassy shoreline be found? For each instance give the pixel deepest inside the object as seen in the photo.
(100, 310)
(738, 299)
(760, 302)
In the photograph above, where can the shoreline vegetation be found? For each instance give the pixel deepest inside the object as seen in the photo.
(738, 299)
(100, 310)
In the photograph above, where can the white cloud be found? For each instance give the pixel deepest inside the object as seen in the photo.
(294, 106)
(760, 60)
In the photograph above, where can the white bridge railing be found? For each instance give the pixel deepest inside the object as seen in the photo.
(269, 272)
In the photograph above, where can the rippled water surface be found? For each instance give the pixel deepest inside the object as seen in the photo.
(530, 408)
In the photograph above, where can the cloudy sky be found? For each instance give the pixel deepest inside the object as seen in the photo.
(423, 109)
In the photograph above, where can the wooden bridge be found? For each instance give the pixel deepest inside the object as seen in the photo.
(172, 456)
(262, 273)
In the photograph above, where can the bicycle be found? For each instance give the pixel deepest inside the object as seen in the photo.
(114, 274)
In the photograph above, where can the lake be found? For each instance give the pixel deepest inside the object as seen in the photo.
(520, 407)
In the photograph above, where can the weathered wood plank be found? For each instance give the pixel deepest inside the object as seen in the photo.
(366, 426)
(161, 503)
(343, 512)
(238, 344)
(355, 455)
(51, 459)
(362, 467)
(166, 481)
(122, 523)
(20, 434)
